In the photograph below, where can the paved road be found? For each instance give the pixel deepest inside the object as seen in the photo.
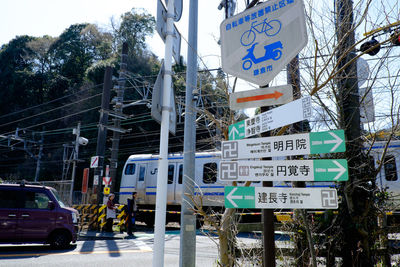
(110, 253)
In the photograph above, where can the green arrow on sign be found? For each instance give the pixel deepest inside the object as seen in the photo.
(327, 142)
(331, 170)
(239, 197)
(236, 131)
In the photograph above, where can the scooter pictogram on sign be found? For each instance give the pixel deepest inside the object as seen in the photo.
(272, 51)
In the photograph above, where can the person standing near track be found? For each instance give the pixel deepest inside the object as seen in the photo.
(132, 209)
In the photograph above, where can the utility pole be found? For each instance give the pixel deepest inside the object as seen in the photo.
(77, 132)
(187, 251)
(120, 88)
(356, 210)
(267, 217)
(161, 195)
(102, 131)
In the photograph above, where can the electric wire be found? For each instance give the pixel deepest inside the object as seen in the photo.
(51, 110)
(60, 118)
(49, 102)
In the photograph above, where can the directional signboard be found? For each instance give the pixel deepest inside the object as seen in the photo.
(292, 112)
(285, 145)
(280, 198)
(258, 43)
(284, 170)
(268, 96)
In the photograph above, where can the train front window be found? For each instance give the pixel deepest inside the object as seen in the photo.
(130, 169)
(210, 173)
(390, 168)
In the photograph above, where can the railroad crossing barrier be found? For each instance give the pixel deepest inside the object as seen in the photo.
(91, 216)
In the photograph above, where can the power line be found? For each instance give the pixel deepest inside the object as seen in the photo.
(51, 110)
(49, 102)
(66, 116)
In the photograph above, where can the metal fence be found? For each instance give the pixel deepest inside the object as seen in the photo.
(63, 188)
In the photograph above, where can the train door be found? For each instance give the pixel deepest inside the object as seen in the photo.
(171, 182)
(141, 181)
(178, 183)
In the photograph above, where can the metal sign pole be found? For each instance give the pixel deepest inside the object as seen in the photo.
(187, 252)
(161, 197)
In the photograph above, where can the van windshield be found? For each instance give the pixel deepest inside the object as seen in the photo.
(55, 193)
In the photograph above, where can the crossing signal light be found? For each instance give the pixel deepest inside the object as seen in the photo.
(395, 38)
(371, 47)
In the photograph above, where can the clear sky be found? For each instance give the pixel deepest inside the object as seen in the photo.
(52, 17)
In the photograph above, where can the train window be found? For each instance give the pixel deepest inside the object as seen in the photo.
(130, 169)
(142, 173)
(180, 175)
(171, 169)
(210, 173)
(390, 168)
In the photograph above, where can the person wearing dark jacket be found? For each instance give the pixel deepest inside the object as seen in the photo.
(132, 208)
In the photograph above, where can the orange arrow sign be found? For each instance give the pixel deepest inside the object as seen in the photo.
(275, 95)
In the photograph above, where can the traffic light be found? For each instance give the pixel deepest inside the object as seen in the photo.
(395, 38)
(371, 47)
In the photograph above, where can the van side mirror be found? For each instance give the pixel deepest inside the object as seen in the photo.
(51, 205)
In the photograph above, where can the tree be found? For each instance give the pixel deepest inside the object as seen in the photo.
(15, 74)
(77, 48)
(134, 28)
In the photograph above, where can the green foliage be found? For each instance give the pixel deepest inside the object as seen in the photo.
(40, 58)
(15, 72)
(95, 73)
(134, 29)
(35, 70)
(77, 48)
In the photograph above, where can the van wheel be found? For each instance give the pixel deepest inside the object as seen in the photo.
(59, 240)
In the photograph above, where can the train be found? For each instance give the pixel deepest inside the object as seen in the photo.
(387, 178)
(140, 175)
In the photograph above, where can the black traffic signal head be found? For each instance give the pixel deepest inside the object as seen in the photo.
(395, 38)
(371, 47)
